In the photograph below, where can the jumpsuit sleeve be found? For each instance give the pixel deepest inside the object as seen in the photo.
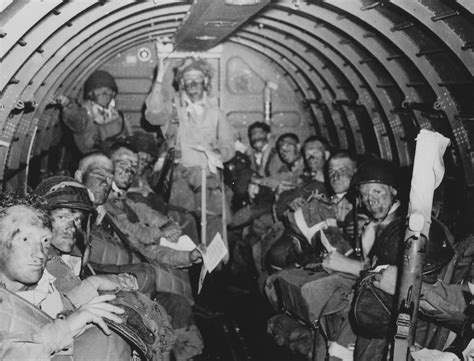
(148, 215)
(38, 346)
(138, 233)
(79, 122)
(145, 239)
(75, 117)
(159, 107)
(168, 257)
(82, 294)
(153, 251)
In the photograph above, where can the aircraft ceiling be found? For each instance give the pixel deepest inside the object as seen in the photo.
(402, 64)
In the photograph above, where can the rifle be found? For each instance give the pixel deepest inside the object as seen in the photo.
(428, 171)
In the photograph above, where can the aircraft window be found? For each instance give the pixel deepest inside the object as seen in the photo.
(242, 79)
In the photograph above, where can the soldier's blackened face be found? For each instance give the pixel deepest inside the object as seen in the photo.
(67, 227)
(377, 198)
(258, 139)
(315, 155)
(98, 179)
(288, 150)
(126, 165)
(340, 172)
(103, 96)
(24, 247)
(145, 162)
(193, 82)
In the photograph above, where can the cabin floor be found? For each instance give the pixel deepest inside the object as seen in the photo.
(239, 333)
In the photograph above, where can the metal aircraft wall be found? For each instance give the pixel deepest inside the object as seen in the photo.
(369, 73)
(239, 81)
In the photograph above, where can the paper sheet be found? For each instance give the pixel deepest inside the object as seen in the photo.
(213, 161)
(215, 253)
(184, 243)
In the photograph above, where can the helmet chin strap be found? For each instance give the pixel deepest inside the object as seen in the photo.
(86, 243)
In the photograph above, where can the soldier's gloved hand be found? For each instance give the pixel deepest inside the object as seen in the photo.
(94, 312)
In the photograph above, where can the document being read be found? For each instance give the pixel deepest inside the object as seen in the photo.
(214, 254)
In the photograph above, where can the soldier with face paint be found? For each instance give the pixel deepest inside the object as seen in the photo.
(288, 148)
(193, 124)
(95, 122)
(49, 324)
(143, 225)
(263, 154)
(71, 209)
(111, 253)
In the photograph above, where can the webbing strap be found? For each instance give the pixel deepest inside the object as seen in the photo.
(400, 347)
(309, 232)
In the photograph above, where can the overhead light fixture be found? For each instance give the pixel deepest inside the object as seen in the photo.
(242, 2)
(205, 37)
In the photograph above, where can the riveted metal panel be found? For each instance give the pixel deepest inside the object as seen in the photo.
(106, 52)
(127, 83)
(32, 124)
(60, 41)
(340, 63)
(77, 76)
(372, 72)
(23, 125)
(43, 29)
(6, 138)
(60, 72)
(241, 120)
(243, 77)
(130, 102)
(467, 4)
(45, 130)
(134, 119)
(90, 37)
(448, 25)
(26, 13)
(302, 86)
(411, 50)
(354, 121)
(276, 57)
(297, 63)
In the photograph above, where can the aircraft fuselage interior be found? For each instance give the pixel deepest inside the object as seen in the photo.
(380, 92)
